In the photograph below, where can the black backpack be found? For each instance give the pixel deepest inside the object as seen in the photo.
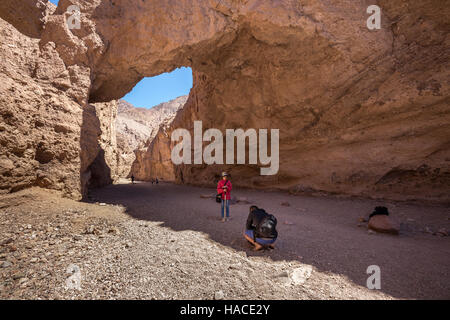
(379, 211)
(267, 227)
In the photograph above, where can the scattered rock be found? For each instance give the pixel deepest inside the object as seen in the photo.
(92, 230)
(207, 196)
(128, 244)
(7, 241)
(289, 223)
(285, 204)
(219, 295)
(442, 233)
(235, 266)
(300, 275)
(6, 264)
(283, 278)
(383, 224)
(23, 256)
(18, 275)
(283, 274)
(115, 230)
(428, 230)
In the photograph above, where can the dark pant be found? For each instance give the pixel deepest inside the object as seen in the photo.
(261, 241)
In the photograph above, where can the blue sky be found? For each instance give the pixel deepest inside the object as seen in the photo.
(150, 92)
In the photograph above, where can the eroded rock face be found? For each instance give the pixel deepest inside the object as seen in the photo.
(50, 137)
(136, 129)
(359, 111)
(39, 119)
(28, 16)
(98, 152)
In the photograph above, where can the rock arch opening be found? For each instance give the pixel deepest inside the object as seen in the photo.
(117, 131)
(351, 104)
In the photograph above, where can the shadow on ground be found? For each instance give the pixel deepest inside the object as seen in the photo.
(322, 232)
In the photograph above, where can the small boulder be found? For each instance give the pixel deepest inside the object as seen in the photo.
(219, 295)
(128, 244)
(383, 224)
(300, 275)
(7, 241)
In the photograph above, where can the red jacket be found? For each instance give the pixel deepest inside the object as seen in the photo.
(225, 195)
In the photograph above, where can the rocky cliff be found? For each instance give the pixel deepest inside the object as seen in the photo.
(40, 121)
(137, 127)
(359, 111)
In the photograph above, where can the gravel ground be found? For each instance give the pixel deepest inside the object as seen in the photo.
(143, 251)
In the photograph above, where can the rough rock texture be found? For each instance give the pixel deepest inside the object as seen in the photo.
(384, 224)
(137, 127)
(50, 137)
(29, 16)
(39, 119)
(98, 152)
(359, 111)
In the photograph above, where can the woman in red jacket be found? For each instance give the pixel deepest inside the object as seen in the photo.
(224, 188)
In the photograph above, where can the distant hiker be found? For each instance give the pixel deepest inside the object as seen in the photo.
(260, 229)
(132, 179)
(224, 189)
(153, 181)
(157, 181)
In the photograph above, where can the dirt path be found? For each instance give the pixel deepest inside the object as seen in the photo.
(322, 232)
(163, 241)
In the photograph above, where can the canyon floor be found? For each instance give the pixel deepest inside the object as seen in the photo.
(165, 241)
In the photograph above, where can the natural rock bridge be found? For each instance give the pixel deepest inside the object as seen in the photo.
(360, 111)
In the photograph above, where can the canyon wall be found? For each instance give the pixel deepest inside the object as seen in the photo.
(40, 120)
(50, 135)
(136, 129)
(360, 111)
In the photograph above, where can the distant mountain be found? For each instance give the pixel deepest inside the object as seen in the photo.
(138, 126)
